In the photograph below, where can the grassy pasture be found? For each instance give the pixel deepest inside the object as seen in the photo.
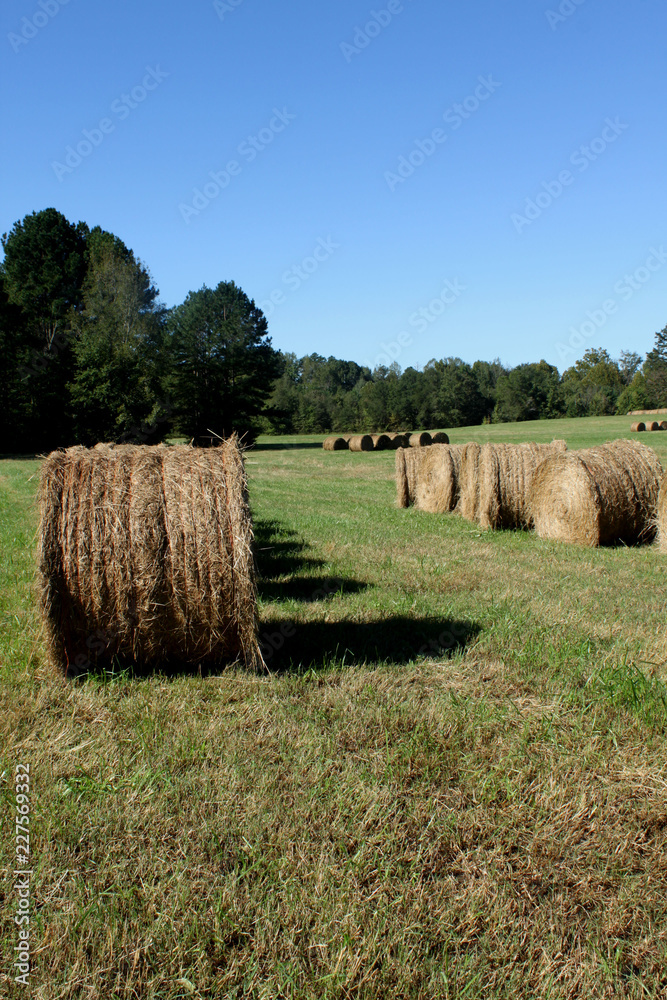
(452, 784)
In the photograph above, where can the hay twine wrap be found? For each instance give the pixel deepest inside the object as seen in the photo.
(505, 475)
(146, 553)
(638, 427)
(361, 442)
(598, 496)
(334, 443)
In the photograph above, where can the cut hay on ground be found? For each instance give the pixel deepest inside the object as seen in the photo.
(381, 442)
(361, 442)
(652, 425)
(598, 496)
(334, 443)
(439, 438)
(145, 554)
(505, 474)
(640, 426)
(468, 503)
(420, 440)
(436, 477)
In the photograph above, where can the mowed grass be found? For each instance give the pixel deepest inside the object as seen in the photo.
(451, 783)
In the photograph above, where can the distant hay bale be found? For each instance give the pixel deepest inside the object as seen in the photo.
(639, 426)
(435, 479)
(439, 438)
(597, 496)
(334, 443)
(401, 440)
(420, 440)
(663, 425)
(381, 442)
(145, 554)
(652, 425)
(361, 442)
(505, 474)
(469, 496)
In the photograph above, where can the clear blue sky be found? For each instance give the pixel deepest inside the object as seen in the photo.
(324, 173)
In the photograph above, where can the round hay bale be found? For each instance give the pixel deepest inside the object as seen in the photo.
(381, 442)
(468, 502)
(145, 554)
(439, 438)
(652, 425)
(598, 496)
(662, 425)
(400, 440)
(436, 488)
(403, 495)
(505, 474)
(334, 443)
(640, 426)
(420, 440)
(361, 442)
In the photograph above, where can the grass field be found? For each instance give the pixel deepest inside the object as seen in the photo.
(452, 783)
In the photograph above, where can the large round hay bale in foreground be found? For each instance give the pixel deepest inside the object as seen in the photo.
(468, 503)
(381, 442)
(436, 478)
(505, 474)
(420, 440)
(334, 443)
(638, 427)
(598, 496)
(145, 555)
(361, 442)
(439, 438)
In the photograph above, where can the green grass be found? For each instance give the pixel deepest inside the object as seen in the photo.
(453, 783)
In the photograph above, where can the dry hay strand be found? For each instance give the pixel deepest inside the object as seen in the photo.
(145, 553)
(469, 496)
(661, 515)
(505, 474)
(334, 443)
(361, 442)
(439, 438)
(381, 442)
(598, 496)
(652, 425)
(437, 471)
(639, 426)
(420, 440)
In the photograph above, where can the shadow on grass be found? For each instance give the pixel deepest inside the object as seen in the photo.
(285, 445)
(298, 646)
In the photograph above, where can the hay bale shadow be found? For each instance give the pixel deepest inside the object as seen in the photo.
(297, 646)
(279, 551)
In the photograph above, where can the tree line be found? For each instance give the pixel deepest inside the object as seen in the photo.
(89, 353)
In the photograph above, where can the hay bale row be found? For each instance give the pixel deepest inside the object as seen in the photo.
(650, 425)
(384, 442)
(145, 553)
(598, 496)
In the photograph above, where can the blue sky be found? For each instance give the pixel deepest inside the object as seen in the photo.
(528, 222)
